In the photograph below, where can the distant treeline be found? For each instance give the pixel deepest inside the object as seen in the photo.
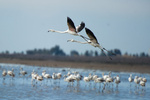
(57, 54)
(57, 51)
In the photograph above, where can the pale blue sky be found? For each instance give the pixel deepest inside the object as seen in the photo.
(122, 24)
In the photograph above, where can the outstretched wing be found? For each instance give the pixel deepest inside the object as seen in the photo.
(91, 35)
(71, 25)
(80, 27)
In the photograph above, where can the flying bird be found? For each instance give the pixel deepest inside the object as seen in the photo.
(71, 28)
(92, 41)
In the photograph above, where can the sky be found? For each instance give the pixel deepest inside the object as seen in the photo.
(117, 24)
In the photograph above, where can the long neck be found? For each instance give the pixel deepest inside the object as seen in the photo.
(51, 30)
(102, 74)
(80, 42)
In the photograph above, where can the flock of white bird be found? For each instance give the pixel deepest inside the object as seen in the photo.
(92, 40)
(76, 77)
(138, 80)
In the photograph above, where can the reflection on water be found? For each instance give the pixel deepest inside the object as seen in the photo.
(21, 87)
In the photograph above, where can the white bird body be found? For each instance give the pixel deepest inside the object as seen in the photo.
(69, 79)
(94, 77)
(34, 76)
(144, 79)
(99, 80)
(142, 83)
(78, 77)
(46, 75)
(136, 80)
(86, 79)
(139, 78)
(117, 79)
(11, 73)
(109, 79)
(106, 76)
(54, 76)
(58, 75)
(22, 71)
(4, 73)
(39, 77)
(130, 79)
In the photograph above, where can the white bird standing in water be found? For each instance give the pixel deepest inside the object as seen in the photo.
(144, 79)
(86, 79)
(136, 80)
(4, 73)
(106, 76)
(39, 78)
(54, 76)
(99, 80)
(11, 73)
(92, 41)
(71, 28)
(22, 71)
(142, 83)
(33, 76)
(45, 75)
(69, 79)
(130, 79)
(117, 80)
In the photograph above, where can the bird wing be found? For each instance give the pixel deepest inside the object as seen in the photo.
(91, 35)
(80, 27)
(71, 25)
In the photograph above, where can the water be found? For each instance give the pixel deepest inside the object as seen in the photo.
(20, 88)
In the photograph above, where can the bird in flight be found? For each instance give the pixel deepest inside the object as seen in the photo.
(71, 28)
(92, 41)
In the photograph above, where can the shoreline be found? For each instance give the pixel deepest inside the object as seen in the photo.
(84, 65)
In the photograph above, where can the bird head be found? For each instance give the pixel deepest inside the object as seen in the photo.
(50, 30)
(71, 40)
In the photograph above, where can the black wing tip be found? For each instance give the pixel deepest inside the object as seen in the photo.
(88, 30)
(68, 18)
(83, 24)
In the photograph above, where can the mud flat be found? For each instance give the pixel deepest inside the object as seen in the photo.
(87, 65)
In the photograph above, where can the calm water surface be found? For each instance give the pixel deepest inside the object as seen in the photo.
(21, 88)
